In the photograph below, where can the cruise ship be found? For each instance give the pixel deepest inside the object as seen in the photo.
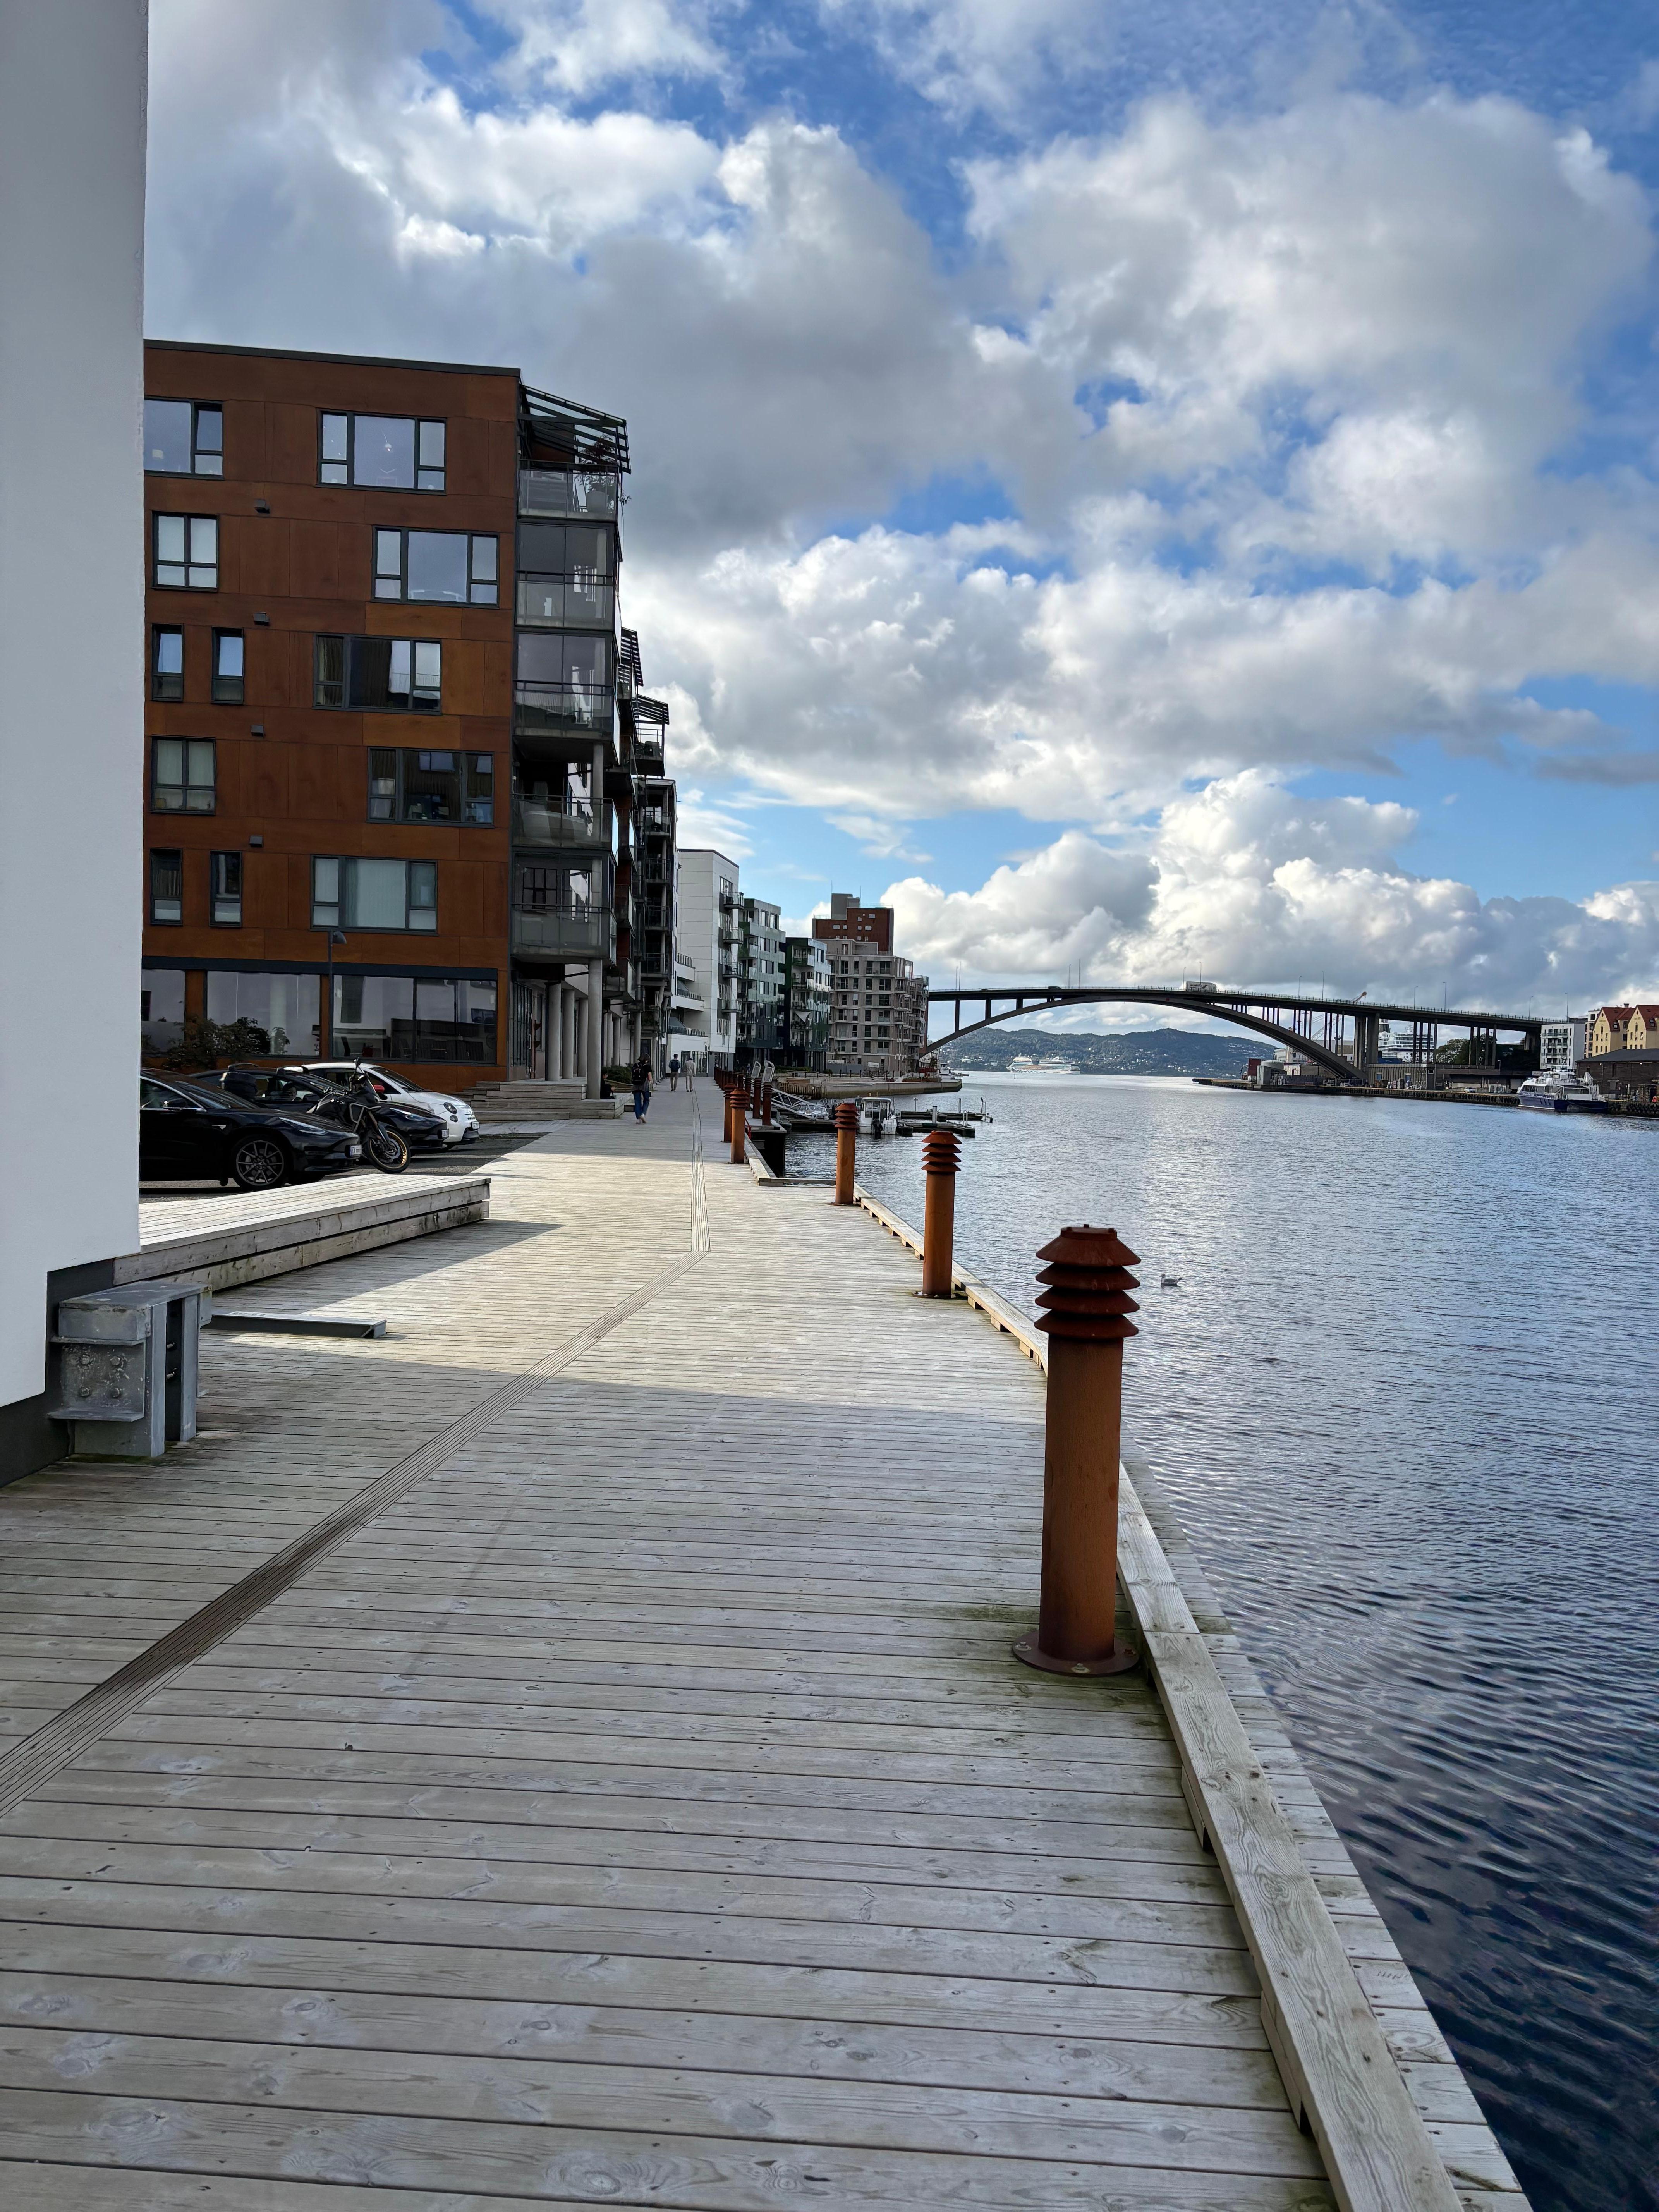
(1025, 1063)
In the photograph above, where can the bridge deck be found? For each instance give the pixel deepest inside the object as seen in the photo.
(641, 1806)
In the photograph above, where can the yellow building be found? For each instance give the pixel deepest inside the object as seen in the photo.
(1607, 1028)
(1641, 1030)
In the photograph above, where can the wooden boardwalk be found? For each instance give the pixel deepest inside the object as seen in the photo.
(631, 1801)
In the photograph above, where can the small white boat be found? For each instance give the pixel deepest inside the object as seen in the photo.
(1559, 1090)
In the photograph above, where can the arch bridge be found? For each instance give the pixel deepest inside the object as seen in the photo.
(1318, 1029)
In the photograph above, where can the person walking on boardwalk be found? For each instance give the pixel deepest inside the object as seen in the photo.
(674, 1072)
(640, 1076)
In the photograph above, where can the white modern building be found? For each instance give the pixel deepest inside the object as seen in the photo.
(706, 951)
(760, 978)
(72, 97)
(1561, 1044)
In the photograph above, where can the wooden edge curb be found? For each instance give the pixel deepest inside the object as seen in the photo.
(1344, 2085)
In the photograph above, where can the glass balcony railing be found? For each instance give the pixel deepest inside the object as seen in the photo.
(548, 822)
(585, 709)
(568, 492)
(564, 931)
(581, 600)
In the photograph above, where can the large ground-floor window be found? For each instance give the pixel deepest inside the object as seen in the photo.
(285, 1007)
(415, 1017)
(161, 1005)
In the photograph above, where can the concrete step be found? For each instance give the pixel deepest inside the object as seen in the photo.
(521, 1113)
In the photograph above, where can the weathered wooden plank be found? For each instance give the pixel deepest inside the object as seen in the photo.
(619, 2035)
(662, 2101)
(500, 2159)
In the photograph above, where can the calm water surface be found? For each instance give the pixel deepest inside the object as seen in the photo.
(1406, 1401)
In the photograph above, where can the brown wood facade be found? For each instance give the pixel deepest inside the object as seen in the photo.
(295, 561)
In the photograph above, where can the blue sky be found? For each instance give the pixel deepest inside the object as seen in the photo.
(1148, 483)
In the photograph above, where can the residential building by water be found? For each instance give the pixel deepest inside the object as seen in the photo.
(878, 1003)
(72, 95)
(806, 1003)
(760, 979)
(706, 955)
(1605, 1028)
(390, 704)
(1562, 1044)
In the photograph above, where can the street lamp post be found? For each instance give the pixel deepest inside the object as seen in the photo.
(327, 1026)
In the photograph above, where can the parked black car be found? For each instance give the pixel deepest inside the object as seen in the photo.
(192, 1132)
(303, 1092)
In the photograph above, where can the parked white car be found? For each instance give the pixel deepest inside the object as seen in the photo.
(460, 1122)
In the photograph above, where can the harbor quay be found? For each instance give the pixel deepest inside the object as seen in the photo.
(568, 1748)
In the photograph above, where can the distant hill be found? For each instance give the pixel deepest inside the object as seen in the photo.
(1141, 1052)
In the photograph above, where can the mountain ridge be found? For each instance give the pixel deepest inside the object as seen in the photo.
(1136, 1052)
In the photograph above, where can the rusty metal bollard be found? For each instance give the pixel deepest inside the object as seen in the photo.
(941, 1156)
(766, 1105)
(847, 1138)
(726, 1109)
(739, 1124)
(1086, 1309)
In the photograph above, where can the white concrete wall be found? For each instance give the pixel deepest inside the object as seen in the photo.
(72, 98)
(701, 871)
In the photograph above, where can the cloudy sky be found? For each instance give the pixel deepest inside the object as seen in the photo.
(1150, 487)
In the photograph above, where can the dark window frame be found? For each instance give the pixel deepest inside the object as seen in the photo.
(157, 564)
(477, 583)
(198, 451)
(231, 867)
(157, 679)
(220, 686)
(352, 417)
(416, 701)
(185, 784)
(160, 856)
(467, 770)
(408, 927)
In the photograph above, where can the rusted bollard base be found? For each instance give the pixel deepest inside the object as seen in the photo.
(1118, 1661)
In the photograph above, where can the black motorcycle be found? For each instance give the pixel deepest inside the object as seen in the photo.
(349, 1102)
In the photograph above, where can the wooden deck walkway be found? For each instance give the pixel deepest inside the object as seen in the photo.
(630, 1799)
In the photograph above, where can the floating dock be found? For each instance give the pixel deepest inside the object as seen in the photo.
(567, 1751)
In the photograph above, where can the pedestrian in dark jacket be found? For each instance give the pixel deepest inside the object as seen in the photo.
(640, 1076)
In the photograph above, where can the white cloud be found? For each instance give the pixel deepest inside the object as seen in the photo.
(1281, 400)
(1246, 883)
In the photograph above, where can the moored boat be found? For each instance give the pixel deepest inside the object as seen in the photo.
(1560, 1091)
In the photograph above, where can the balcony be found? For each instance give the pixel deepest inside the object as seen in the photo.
(568, 493)
(560, 929)
(548, 823)
(579, 600)
(561, 709)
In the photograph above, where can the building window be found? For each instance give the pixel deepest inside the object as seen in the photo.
(182, 779)
(359, 894)
(161, 1008)
(431, 787)
(415, 1017)
(227, 888)
(286, 1006)
(227, 667)
(563, 681)
(565, 574)
(167, 886)
(184, 438)
(395, 451)
(446, 567)
(379, 675)
(167, 664)
(186, 552)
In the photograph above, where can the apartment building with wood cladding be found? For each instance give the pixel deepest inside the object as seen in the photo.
(390, 719)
